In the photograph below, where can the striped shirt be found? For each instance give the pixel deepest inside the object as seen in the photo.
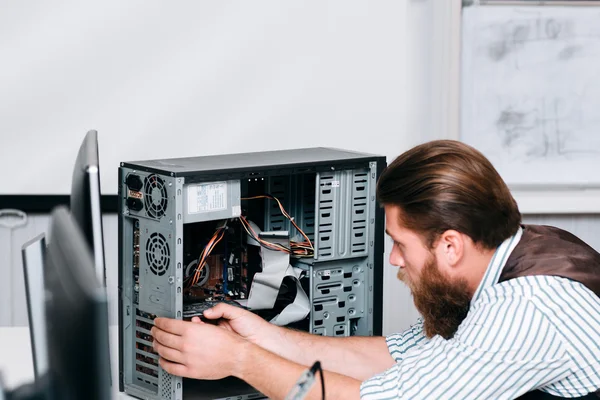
(527, 333)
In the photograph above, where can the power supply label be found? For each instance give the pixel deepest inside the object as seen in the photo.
(207, 197)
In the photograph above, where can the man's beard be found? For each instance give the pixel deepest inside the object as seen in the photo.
(443, 303)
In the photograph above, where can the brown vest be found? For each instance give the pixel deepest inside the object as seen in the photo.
(545, 250)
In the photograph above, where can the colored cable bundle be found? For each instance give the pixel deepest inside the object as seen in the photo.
(298, 249)
(217, 237)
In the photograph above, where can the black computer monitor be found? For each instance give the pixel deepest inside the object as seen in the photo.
(76, 314)
(85, 199)
(34, 253)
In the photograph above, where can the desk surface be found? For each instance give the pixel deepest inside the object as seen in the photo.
(16, 363)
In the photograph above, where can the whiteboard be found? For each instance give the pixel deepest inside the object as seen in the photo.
(530, 87)
(192, 78)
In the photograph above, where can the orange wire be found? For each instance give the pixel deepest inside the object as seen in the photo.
(296, 248)
(195, 278)
(209, 249)
(282, 209)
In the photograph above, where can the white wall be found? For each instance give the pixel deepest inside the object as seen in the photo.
(165, 80)
(409, 102)
(189, 78)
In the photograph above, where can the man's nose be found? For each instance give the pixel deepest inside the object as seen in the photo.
(396, 258)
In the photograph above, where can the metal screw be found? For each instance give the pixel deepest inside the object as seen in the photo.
(326, 315)
(171, 280)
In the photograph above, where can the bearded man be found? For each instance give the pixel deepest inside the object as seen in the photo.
(508, 310)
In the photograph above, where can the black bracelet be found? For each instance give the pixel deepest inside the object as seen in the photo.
(317, 367)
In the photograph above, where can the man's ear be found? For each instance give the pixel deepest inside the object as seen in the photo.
(451, 247)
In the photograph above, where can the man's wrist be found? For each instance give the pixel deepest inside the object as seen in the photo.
(270, 338)
(246, 353)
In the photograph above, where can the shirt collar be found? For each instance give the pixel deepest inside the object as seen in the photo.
(496, 265)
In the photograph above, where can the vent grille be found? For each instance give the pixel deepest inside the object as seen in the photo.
(359, 212)
(326, 219)
(165, 385)
(155, 196)
(158, 254)
(146, 359)
(343, 214)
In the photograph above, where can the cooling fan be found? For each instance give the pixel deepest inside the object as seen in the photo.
(158, 254)
(155, 196)
(204, 274)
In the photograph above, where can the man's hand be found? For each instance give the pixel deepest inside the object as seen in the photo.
(357, 357)
(246, 324)
(196, 349)
(204, 351)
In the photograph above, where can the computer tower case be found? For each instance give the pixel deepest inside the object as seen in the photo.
(318, 203)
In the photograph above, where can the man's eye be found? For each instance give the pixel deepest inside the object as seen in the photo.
(396, 244)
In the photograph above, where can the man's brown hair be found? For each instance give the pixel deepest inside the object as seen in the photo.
(446, 184)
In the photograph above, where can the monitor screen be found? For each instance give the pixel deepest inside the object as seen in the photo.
(76, 314)
(85, 199)
(33, 253)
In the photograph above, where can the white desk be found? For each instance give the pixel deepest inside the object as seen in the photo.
(16, 362)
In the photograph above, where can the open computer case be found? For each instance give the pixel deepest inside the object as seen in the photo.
(196, 231)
